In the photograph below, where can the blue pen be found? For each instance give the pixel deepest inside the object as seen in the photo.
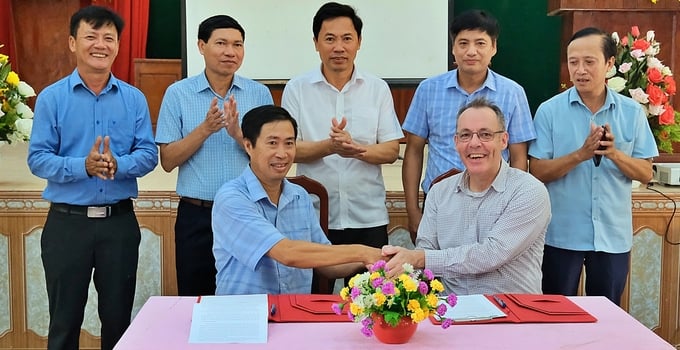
(499, 301)
(272, 312)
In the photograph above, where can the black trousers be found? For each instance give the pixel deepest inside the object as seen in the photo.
(370, 236)
(606, 273)
(195, 262)
(72, 246)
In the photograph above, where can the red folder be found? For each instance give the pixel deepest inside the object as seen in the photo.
(305, 308)
(535, 308)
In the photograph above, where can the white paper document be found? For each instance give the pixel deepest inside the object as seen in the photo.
(229, 319)
(474, 307)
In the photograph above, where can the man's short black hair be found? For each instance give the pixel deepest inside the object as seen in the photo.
(475, 20)
(608, 43)
(331, 10)
(252, 123)
(208, 26)
(96, 16)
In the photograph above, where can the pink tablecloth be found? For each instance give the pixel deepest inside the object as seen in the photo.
(164, 322)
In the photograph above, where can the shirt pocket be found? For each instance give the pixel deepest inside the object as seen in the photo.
(363, 126)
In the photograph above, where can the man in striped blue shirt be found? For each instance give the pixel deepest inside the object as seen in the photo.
(198, 131)
(431, 118)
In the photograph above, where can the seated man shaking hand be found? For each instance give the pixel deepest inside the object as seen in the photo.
(267, 236)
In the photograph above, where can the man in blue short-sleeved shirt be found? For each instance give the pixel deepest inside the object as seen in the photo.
(198, 131)
(588, 176)
(267, 232)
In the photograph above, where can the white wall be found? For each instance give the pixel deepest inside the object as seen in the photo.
(401, 39)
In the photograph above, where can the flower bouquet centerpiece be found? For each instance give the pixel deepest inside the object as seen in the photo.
(638, 74)
(385, 306)
(16, 118)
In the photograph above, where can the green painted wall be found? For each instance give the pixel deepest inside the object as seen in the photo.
(164, 39)
(528, 44)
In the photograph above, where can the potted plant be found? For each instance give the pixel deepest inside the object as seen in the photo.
(392, 308)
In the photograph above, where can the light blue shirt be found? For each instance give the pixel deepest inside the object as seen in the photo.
(247, 225)
(432, 116)
(220, 158)
(68, 118)
(591, 206)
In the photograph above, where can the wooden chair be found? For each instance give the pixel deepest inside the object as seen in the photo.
(450, 172)
(320, 284)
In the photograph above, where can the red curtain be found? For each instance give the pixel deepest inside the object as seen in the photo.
(135, 13)
(7, 33)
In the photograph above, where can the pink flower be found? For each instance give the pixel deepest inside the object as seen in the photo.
(441, 309)
(423, 288)
(447, 323)
(379, 265)
(668, 115)
(639, 95)
(624, 41)
(656, 95)
(640, 44)
(635, 31)
(388, 288)
(625, 67)
(337, 309)
(452, 300)
(670, 84)
(654, 75)
(428, 274)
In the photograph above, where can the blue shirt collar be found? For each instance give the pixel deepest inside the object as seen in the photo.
(75, 80)
(490, 81)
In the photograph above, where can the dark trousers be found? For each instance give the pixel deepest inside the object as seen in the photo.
(606, 273)
(72, 246)
(195, 262)
(370, 236)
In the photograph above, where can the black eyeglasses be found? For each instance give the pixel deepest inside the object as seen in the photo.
(484, 135)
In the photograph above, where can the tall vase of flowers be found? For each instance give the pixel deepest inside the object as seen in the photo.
(638, 74)
(16, 117)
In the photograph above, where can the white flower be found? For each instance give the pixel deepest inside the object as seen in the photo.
(638, 54)
(625, 67)
(639, 95)
(615, 36)
(24, 127)
(616, 83)
(1, 113)
(655, 109)
(24, 110)
(652, 50)
(408, 268)
(25, 90)
(653, 62)
(611, 72)
(650, 35)
(666, 71)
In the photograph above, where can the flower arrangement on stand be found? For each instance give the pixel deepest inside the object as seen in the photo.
(638, 74)
(378, 302)
(16, 117)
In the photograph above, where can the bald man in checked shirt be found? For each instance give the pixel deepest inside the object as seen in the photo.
(483, 230)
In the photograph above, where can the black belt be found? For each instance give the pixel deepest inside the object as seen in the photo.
(197, 202)
(97, 211)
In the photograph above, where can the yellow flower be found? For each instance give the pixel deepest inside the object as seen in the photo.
(12, 79)
(344, 293)
(432, 300)
(3, 58)
(351, 281)
(380, 298)
(355, 309)
(413, 305)
(436, 286)
(374, 275)
(409, 284)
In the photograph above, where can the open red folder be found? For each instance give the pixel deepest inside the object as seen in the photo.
(534, 308)
(304, 308)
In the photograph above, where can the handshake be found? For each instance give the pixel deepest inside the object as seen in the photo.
(395, 257)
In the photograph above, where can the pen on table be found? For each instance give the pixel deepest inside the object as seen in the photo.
(272, 312)
(499, 301)
(198, 301)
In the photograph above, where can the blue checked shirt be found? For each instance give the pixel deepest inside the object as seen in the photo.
(220, 159)
(432, 116)
(247, 225)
